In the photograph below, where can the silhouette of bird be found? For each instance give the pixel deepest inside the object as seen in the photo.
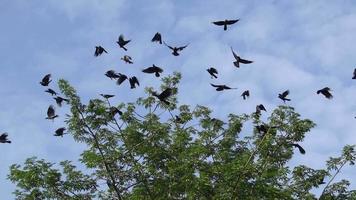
(51, 114)
(301, 150)
(121, 78)
(164, 95)
(99, 50)
(113, 111)
(157, 38)
(154, 69)
(239, 59)
(259, 108)
(245, 94)
(59, 100)
(354, 75)
(112, 74)
(133, 82)
(122, 42)
(326, 92)
(60, 131)
(46, 80)
(107, 96)
(213, 72)
(50, 91)
(225, 23)
(175, 49)
(284, 95)
(127, 59)
(3, 138)
(178, 119)
(221, 87)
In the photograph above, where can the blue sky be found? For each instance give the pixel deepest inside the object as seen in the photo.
(301, 46)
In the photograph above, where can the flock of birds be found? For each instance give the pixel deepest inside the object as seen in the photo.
(164, 95)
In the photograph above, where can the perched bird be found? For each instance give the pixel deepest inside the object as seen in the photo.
(154, 69)
(259, 108)
(245, 94)
(107, 96)
(213, 72)
(225, 23)
(59, 100)
(113, 111)
(112, 74)
(326, 92)
(52, 92)
(157, 38)
(60, 132)
(178, 119)
(239, 59)
(121, 78)
(46, 80)
(284, 95)
(3, 138)
(301, 150)
(354, 76)
(99, 50)
(164, 95)
(51, 114)
(127, 59)
(221, 87)
(122, 42)
(176, 49)
(133, 82)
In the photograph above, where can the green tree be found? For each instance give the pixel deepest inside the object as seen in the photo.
(151, 150)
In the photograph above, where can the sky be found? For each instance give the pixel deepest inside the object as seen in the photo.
(301, 45)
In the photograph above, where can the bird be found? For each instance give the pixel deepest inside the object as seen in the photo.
(239, 59)
(51, 114)
(157, 38)
(176, 49)
(284, 95)
(354, 75)
(3, 138)
(122, 42)
(127, 59)
(99, 50)
(245, 94)
(112, 74)
(326, 92)
(301, 150)
(178, 120)
(213, 72)
(107, 96)
(221, 87)
(154, 69)
(225, 23)
(133, 82)
(164, 95)
(121, 78)
(113, 111)
(259, 108)
(52, 92)
(59, 100)
(60, 131)
(46, 80)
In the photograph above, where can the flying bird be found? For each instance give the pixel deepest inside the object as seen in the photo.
(60, 131)
(113, 111)
(245, 94)
(154, 69)
(122, 42)
(326, 92)
(99, 50)
(164, 95)
(46, 80)
(259, 108)
(213, 72)
(175, 49)
(301, 150)
(3, 138)
(127, 59)
(133, 82)
(157, 38)
(52, 92)
(284, 95)
(221, 87)
(59, 100)
(112, 74)
(225, 23)
(121, 78)
(354, 75)
(239, 59)
(107, 96)
(51, 114)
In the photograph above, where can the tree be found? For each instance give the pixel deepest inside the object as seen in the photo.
(149, 149)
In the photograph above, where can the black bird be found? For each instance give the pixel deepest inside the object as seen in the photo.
(221, 87)
(175, 49)
(164, 95)
(121, 78)
(284, 95)
(60, 132)
(99, 50)
(122, 42)
(3, 138)
(213, 72)
(326, 92)
(301, 150)
(133, 82)
(112, 74)
(113, 111)
(59, 100)
(107, 96)
(259, 108)
(354, 76)
(127, 59)
(245, 94)
(46, 80)
(154, 69)
(157, 38)
(225, 23)
(51, 114)
(239, 59)
(52, 92)
(178, 120)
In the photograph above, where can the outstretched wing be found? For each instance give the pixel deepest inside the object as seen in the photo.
(219, 23)
(285, 93)
(235, 55)
(245, 61)
(168, 45)
(157, 38)
(181, 48)
(229, 22)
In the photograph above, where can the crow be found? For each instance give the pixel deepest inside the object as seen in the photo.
(122, 42)
(3, 138)
(213, 72)
(157, 38)
(354, 75)
(259, 108)
(121, 78)
(113, 111)
(326, 92)
(46, 80)
(59, 100)
(60, 132)
(164, 95)
(112, 74)
(284, 95)
(245, 94)
(153, 69)
(127, 59)
(107, 96)
(225, 23)
(52, 92)
(99, 50)
(51, 114)
(221, 87)
(176, 49)
(133, 82)
(239, 59)
(301, 150)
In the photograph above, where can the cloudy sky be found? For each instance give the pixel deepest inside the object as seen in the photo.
(301, 46)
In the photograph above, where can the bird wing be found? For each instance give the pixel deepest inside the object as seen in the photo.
(245, 61)
(46, 78)
(3, 136)
(148, 70)
(135, 80)
(182, 47)
(50, 111)
(122, 78)
(285, 93)
(219, 23)
(157, 37)
(355, 72)
(166, 93)
(215, 85)
(121, 39)
(229, 22)
(235, 55)
(214, 70)
(168, 45)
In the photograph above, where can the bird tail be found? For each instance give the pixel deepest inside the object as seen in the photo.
(157, 74)
(124, 48)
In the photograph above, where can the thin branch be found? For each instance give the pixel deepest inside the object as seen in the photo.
(332, 178)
